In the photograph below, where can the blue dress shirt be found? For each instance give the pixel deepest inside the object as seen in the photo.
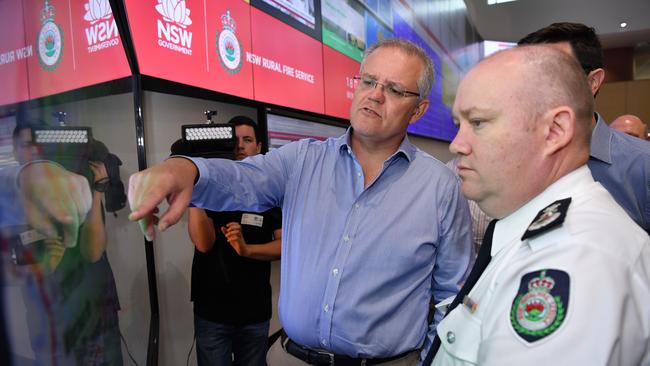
(621, 163)
(359, 266)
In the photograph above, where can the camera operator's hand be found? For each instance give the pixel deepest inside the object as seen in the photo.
(56, 201)
(264, 252)
(232, 232)
(99, 170)
(93, 233)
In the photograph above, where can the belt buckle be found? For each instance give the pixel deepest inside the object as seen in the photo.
(328, 354)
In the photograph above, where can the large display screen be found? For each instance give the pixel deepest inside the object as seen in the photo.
(54, 46)
(303, 15)
(287, 65)
(297, 54)
(437, 121)
(14, 52)
(184, 41)
(339, 71)
(282, 130)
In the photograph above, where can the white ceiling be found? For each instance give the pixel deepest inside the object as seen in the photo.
(511, 21)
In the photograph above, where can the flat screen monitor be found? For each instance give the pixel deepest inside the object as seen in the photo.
(303, 15)
(282, 130)
(490, 47)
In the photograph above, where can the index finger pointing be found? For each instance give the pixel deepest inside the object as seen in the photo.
(143, 196)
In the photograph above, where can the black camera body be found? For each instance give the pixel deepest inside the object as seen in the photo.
(207, 140)
(74, 148)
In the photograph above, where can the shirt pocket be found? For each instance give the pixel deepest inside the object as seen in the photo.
(460, 335)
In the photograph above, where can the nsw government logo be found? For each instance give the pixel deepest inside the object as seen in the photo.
(101, 32)
(172, 30)
(228, 47)
(49, 40)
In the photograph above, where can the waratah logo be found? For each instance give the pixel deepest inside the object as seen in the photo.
(174, 11)
(97, 10)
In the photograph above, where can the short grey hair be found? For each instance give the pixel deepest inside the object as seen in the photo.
(425, 82)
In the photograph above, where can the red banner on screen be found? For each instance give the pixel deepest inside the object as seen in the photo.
(182, 41)
(339, 88)
(229, 39)
(98, 50)
(47, 27)
(169, 37)
(287, 65)
(14, 52)
(66, 45)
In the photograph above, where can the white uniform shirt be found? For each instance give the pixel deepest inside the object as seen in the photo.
(607, 259)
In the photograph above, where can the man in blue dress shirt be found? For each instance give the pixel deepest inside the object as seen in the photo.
(621, 163)
(373, 227)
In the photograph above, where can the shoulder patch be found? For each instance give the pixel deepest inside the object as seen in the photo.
(548, 218)
(541, 304)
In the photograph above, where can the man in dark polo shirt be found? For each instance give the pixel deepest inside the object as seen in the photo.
(230, 273)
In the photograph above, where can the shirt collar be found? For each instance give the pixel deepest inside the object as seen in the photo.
(406, 148)
(513, 226)
(601, 138)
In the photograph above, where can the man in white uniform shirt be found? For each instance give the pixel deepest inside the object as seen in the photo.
(569, 278)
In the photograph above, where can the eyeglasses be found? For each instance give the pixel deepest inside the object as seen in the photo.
(391, 89)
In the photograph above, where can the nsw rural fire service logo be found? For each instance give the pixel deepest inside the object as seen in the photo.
(228, 47)
(541, 304)
(49, 40)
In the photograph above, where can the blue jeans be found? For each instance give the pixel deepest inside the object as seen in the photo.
(220, 344)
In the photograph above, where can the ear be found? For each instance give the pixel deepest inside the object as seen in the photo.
(561, 129)
(259, 147)
(595, 79)
(419, 110)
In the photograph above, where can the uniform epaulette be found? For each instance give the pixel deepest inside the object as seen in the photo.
(548, 218)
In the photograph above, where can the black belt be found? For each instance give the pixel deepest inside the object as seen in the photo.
(324, 358)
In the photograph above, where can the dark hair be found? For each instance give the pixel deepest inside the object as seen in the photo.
(246, 121)
(584, 42)
(17, 130)
(23, 124)
(180, 147)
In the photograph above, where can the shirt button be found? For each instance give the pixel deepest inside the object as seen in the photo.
(356, 205)
(451, 337)
(323, 342)
(359, 174)
(335, 271)
(326, 307)
(346, 238)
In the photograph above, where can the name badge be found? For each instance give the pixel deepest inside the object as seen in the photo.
(470, 304)
(252, 219)
(30, 236)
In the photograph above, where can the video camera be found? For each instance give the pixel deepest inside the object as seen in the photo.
(207, 140)
(74, 147)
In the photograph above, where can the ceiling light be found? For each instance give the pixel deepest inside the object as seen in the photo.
(623, 25)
